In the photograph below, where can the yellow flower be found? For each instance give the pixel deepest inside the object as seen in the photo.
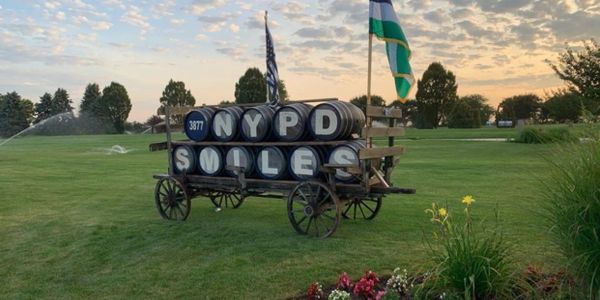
(468, 200)
(442, 212)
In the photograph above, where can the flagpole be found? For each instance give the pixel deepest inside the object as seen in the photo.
(266, 73)
(369, 121)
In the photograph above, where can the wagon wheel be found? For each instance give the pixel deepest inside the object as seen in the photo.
(313, 209)
(357, 208)
(172, 200)
(220, 199)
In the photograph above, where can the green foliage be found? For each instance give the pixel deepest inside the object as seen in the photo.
(581, 71)
(471, 263)
(572, 194)
(409, 111)
(91, 97)
(480, 103)
(175, 94)
(436, 95)
(15, 114)
(361, 101)
(464, 116)
(283, 93)
(154, 120)
(52, 105)
(564, 106)
(42, 109)
(525, 106)
(251, 87)
(540, 135)
(114, 106)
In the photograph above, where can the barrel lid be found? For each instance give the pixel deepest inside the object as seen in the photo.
(184, 159)
(305, 162)
(344, 155)
(289, 124)
(239, 157)
(254, 125)
(271, 162)
(197, 124)
(325, 122)
(210, 161)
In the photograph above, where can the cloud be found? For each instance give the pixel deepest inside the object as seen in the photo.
(437, 16)
(201, 6)
(234, 28)
(102, 25)
(419, 4)
(133, 17)
(177, 21)
(60, 16)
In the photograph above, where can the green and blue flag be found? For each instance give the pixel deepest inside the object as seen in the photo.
(384, 24)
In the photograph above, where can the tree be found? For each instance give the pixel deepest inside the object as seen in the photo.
(89, 102)
(519, 107)
(175, 94)
(361, 101)
(43, 109)
(60, 102)
(564, 106)
(15, 114)
(251, 87)
(581, 70)
(154, 120)
(463, 115)
(283, 93)
(409, 111)
(479, 103)
(435, 96)
(114, 106)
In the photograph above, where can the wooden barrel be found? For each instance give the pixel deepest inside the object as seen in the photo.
(239, 157)
(305, 162)
(346, 154)
(225, 123)
(210, 161)
(197, 124)
(271, 163)
(335, 120)
(184, 159)
(290, 122)
(256, 123)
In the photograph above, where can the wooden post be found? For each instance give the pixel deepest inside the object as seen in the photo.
(369, 141)
(168, 132)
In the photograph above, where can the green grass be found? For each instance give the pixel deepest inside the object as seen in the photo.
(453, 133)
(79, 223)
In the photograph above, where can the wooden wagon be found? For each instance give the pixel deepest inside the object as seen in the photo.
(314, 207)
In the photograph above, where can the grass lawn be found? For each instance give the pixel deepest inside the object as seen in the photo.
(79, 223)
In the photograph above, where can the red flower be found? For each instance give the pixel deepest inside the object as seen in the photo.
(365, 287)
(344, 282)
(314, 291)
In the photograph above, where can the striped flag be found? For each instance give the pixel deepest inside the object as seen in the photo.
(384, 24)
(272, 73)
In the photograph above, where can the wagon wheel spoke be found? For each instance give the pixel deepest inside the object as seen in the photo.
(368, 208)
(317, 203)
(171, 199)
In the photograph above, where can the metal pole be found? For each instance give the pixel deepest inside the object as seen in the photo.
(369, 120)
(267, 59)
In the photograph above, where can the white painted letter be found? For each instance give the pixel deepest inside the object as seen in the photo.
(302, 162)
(265, 164)
(320, 129)
(223, 124)
(287, 119)
(209, 160)
(182, 159)
(253, 124)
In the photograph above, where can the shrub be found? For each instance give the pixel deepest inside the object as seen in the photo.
(534, 135)
(471, 262)
(573, 209)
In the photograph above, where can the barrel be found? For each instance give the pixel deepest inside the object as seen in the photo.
(256, 123)
(290, 122)
(346, 154)
(271, 163)
(210, 161)
(197, 123)
(335, 120)
(239, 157)
(184, 159)
(225, 123)
(305, 162)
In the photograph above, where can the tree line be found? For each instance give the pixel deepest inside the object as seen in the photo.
(99, 112)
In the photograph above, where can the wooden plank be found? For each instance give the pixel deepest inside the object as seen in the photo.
(182, 110)
(352, 169)
(245, 143)
(384, 112)
(158, 146)
(369, 153)
(382, 131)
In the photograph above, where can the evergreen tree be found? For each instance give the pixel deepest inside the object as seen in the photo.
(15, 114)
(43, 109)
(89, 102)
(61, 102)
(251, 87)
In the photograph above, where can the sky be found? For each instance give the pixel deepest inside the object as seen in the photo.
(495, 48)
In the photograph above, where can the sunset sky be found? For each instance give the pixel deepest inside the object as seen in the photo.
(495, 48)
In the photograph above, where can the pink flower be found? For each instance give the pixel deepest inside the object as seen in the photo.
(344, 282)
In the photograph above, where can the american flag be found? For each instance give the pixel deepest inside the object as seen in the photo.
(272, 73)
